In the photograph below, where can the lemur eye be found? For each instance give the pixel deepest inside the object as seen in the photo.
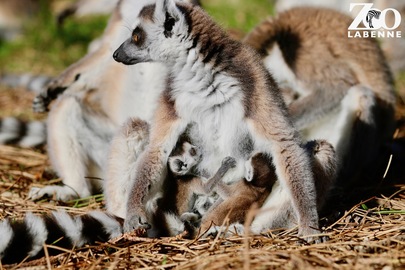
(135, 38)
(138, 36)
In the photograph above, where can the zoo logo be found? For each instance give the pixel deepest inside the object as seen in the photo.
(373, 18)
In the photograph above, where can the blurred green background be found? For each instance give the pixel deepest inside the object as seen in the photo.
(45, 48)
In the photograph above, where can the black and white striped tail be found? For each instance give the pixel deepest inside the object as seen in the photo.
(22, 133)
(26, 238)
(32, 83)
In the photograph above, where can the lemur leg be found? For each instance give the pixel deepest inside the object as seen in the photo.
(351, 126)
(365, 125)
(126, 146)
(76, 140)
(151, 166)
(357, 104)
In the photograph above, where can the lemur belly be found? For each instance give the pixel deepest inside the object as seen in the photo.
(213, 103)
(217, 141)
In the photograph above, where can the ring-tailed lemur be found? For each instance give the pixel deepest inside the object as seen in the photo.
(171, 213)
(220, 87)
(176, 194)
(169, 210)
(98, 97)
(344, 86)
(78, 96)
(393, 48)
(338, 74)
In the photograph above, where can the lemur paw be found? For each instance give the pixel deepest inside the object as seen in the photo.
(312, 236)
(229, 162)
(39, 104)
(59, 193)
(190, 217)
(136, 223)
(35, 194)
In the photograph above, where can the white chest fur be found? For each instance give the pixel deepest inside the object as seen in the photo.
(212, 103)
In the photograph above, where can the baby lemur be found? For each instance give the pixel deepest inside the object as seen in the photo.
(169, 209)
(170, 215)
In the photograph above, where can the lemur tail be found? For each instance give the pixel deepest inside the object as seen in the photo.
(26, 238)
(22, 133)
(32, 83)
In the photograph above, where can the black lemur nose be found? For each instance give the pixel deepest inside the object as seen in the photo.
(115, 55)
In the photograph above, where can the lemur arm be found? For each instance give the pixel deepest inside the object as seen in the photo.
(165, 131)
(69, 76)
(227, 163)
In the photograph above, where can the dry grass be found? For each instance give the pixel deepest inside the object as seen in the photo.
(360, 239)
(368, 235)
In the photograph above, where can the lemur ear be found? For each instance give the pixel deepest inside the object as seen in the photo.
(167, 11)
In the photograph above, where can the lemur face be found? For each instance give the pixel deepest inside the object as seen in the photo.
(159, 33)
(182, 164)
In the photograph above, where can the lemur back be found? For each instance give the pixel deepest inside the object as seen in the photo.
(344, 86)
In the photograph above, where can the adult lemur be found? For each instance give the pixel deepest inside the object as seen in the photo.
(220, 90)
(344, 86)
